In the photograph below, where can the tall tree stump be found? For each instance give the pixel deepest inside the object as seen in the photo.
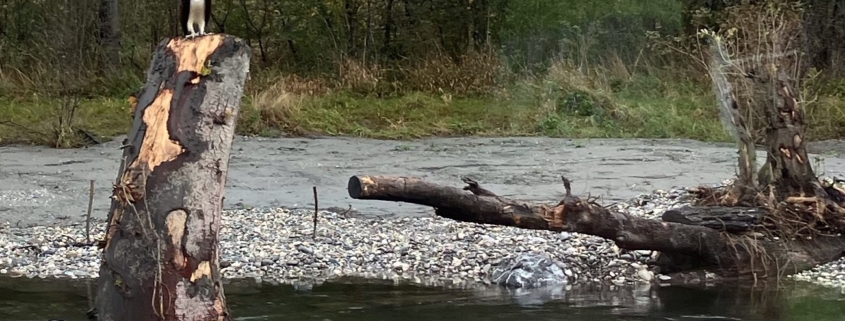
(160, 257)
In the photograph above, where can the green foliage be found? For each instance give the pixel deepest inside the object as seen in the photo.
(314, 37)
(391, 68)
(535, 33)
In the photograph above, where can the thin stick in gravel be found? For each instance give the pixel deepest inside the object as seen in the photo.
(316, 209)
(88, 214)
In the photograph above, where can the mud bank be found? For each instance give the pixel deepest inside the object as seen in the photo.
(44, 186)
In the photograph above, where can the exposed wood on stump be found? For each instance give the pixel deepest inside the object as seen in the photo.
(687, 247)
(799, 204)
(803, 205)
(733, 121)
(792, 172)
(722, 218)
(160, 257)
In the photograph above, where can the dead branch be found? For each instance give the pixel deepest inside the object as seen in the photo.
(697, 246)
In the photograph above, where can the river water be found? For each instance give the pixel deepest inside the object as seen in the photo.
(46, 186)
(359, 300)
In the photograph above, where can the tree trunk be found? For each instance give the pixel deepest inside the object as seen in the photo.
(791, 170)
(160, 257)
(351, 8)
(722, 218)
(683, 247)
(388, 28)
(110, 31)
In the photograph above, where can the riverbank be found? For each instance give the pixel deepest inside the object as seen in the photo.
(44, 201)
(276, 245)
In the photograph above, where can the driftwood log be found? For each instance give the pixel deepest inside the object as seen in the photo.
(160, 257)
(722, 218)
(684, 248)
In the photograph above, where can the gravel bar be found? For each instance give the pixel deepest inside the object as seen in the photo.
(275, 245)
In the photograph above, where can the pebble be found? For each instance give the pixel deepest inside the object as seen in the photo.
(830, 275)
(276, 245)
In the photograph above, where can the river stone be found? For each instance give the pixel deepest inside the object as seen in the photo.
(528, 270)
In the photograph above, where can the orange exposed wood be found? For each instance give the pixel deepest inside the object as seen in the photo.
(157, 147)
(191, 54)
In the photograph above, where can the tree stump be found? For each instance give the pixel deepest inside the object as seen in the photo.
(160, 257)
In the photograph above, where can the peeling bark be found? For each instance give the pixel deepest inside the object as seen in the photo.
(109, 25)
(683, 247)
(160, 257)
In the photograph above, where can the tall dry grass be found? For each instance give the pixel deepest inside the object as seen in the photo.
(476, 73)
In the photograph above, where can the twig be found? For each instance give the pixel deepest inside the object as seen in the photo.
(475, 188)
(566, 185)
(347, 211)
(88, 215)
(316, 209)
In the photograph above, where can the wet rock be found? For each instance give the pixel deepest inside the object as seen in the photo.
(529, 271)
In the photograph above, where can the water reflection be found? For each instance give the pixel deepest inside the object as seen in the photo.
(352, 299)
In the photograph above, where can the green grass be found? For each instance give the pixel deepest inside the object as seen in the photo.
(524, 109)
(409, 116)
(640, 108)
(35, 120)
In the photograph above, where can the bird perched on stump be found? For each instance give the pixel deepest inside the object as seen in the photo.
(195, 12)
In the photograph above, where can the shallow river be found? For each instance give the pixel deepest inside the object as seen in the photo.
(354, 300)
(45, 186)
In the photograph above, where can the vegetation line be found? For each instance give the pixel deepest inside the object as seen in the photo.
(407, 69)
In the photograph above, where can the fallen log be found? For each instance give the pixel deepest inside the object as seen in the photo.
(683, 247)
(160, 251)
(721, 218)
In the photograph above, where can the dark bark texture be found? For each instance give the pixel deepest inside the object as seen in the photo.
(791, 170)
(683, 247)
(160, 257)
(722, 218)
(109, 17)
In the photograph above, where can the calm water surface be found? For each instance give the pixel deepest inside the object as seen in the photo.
(359, 300)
